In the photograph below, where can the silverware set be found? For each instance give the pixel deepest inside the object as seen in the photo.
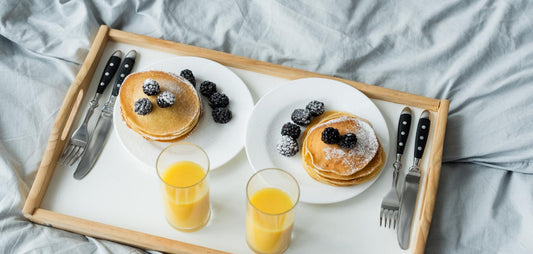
(82, 144)
(397, 207)
(390, 205)
(105, 120)
(80, 137)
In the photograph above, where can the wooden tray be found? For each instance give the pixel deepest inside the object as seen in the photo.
(67, 114)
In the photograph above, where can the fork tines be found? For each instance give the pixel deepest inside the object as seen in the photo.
(388, 217)
(71, 155)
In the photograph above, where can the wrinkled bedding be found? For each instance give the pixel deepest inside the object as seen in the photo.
(477, 54)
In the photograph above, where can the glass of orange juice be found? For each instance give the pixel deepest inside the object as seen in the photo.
(272, 195)
(183, 168)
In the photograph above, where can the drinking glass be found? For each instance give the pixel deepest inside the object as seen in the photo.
(183, 170)
(272, 194)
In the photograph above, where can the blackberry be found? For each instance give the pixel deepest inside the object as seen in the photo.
(291, 130)
(347, 141)
(207, 88)
(330, 135)
(287, 146)
(150, 87)
(218, 100)
(187, 74)
(301, 117)
(316, 108)
(166, 99)
(221, 115)
(143, 106)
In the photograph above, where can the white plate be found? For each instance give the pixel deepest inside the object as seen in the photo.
(275, 109)
(221, 141)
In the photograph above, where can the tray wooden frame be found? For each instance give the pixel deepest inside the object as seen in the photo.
(78, 89)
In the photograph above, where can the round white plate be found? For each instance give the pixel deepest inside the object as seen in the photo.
(221, 141)
(275, 109)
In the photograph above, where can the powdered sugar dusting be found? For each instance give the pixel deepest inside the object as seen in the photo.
(366, 147)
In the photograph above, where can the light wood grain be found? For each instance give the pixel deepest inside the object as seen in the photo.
(63, 122)
(121, 235)
(423, 220)
(375, 92)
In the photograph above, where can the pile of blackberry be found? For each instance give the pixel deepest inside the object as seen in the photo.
(331, 136)
(218, 102)
(143, 106)
(290, 131)
(303, 117)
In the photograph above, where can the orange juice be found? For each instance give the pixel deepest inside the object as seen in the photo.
(269, 221)
(186, 195)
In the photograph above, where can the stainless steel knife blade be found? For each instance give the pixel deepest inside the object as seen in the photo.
(97, 141)
(407, 207)
(105, 120)
(411, 183)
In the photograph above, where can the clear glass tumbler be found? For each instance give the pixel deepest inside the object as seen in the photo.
(183, 170)
(272, 195)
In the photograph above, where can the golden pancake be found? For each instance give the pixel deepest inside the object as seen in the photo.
(372, 170)
(161, 124)
(334, 165)
(332, 158)
(370, 167)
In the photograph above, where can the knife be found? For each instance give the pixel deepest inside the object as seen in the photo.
(411, 183)
(404, 125)
(105, 120)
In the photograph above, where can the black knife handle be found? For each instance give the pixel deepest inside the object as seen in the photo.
(422, 132)
(404, 125)
(124, 71)
(110, 69)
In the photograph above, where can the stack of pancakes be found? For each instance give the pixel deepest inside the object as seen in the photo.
(162, 124)
(334, 165)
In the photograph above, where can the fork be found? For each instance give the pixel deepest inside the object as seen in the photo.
(390, 205)
(79, 139)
